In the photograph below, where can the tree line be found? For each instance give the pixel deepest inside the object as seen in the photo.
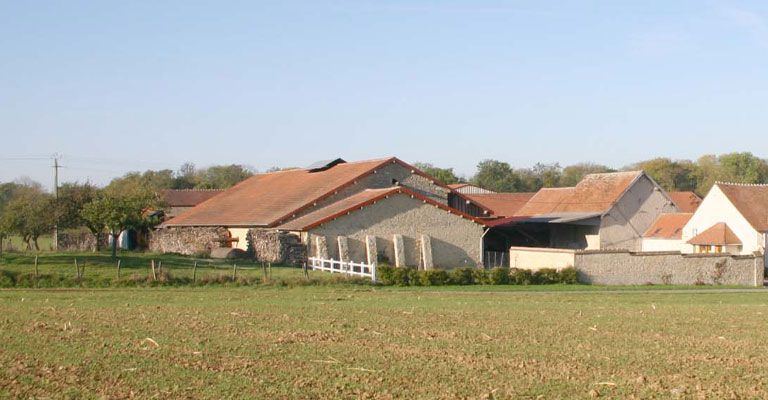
(673, 175)
(128, 202)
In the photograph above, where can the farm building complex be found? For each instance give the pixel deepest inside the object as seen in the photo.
(386, 210)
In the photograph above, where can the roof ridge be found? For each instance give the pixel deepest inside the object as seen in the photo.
(739, 183)
(197, 190)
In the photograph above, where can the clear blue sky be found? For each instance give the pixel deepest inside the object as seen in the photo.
(131, 85)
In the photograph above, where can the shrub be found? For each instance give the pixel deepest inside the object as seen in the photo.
(433, 277)
(481, 276)
(392, 276)
(405, 276)
(499, 276)
(385, 274)
(202, 254)
(462, 276)
(6, 279)
(546, 276)
(569, 276)
(519, 276)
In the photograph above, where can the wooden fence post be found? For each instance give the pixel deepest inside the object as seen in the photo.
(306, 273)
(154, 274)
(264, 270)
(234, 271)
(194, 273)
(36, 272)
(77, 269)
(269, 270)
(118, 268)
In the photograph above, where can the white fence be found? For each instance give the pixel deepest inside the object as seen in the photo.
(343, 267)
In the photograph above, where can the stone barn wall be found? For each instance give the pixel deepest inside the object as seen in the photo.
(187, 240)
(80, 240)
(270, 245)
(626, 268)
(454, 240)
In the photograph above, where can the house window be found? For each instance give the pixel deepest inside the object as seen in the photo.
(718, 249)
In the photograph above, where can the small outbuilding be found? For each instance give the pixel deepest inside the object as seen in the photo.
(666, 234)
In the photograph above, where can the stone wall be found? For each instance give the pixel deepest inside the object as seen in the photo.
(626, 268)
(455, 241)
(80, 240)
(187, 240)
(278, 247)
(384, 178)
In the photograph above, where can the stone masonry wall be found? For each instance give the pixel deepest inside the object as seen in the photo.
(278, 247)
(80, 240)
(455, 241)
(625, 268)
(383, 179)
(187, 240)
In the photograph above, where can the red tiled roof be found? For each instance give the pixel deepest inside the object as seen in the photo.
(717, 235)
(188, 197)
(750, 200)
(501, 204)
(668, 226)
(271, 198)
(595, 193)
(686, 202)
(358, 201)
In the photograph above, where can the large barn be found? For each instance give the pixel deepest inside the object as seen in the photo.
(276, 216)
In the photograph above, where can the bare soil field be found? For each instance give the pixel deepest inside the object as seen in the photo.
(365, 342)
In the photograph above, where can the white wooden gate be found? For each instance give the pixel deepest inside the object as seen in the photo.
(343, 267)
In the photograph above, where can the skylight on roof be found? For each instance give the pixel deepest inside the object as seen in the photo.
(324, 164)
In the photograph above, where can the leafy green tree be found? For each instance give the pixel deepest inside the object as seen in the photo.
(444, 175)
(671, 175)
(72, 198)
(732, 167)
(497, 176)
(742, 168)
(120, 208)
(28, 214)
(223, 176)
(544, 175)
(185, 177)
(573, 174)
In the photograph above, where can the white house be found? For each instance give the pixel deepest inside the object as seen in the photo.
(732, 218)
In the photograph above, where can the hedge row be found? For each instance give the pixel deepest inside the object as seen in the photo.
(392, 276)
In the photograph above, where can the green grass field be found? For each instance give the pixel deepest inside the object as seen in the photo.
(368, 342)
(17, 244)
(100, 267)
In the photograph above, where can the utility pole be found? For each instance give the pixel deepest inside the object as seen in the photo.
(56, 167)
